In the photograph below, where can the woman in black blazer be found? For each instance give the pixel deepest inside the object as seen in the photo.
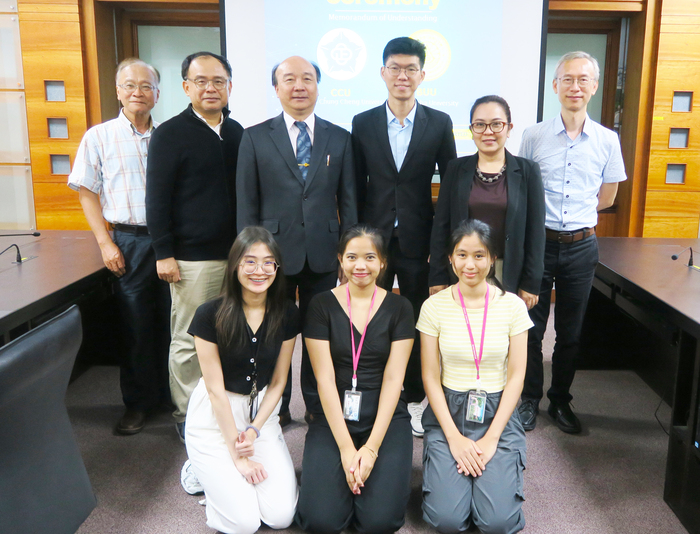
(500, 189)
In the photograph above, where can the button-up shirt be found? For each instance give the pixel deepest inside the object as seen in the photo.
(399, 137)
(293, 130)
(573, 170)
(111, 162)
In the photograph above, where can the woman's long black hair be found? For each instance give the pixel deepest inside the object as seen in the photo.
(230, 318)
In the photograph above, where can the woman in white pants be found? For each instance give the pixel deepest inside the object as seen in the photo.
(244, 341)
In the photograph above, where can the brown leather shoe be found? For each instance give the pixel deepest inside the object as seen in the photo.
(132, 422)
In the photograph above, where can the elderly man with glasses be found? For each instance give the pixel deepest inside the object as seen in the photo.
(110, 174)
(191, 208)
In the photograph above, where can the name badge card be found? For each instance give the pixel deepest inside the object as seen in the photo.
(476, 406)
(351, 405)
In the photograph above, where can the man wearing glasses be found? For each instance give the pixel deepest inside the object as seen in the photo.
(295, 178)
(581, 165)
(396, 147)
(110, 174)
(190, 204)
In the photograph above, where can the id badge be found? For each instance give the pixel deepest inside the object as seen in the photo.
(476, 406)
(351, 406)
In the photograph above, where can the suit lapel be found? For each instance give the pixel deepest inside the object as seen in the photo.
(380, 126)
(514, 181)
(464, 185)
(318, 150)
(280, 136)
(419, 125)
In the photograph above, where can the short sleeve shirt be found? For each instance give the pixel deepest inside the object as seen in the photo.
(573, 170)
(443, 318)
(238, 364)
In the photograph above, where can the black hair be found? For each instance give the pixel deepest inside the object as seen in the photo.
(189, 59)
(488, 99)
(230, 318)
(274, 72)
(483, 231)
(370, 232)
(405, 46)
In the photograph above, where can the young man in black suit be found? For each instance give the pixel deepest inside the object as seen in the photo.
(396, 147)
(295, 177)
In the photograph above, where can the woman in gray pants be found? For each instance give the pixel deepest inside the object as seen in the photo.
(474, 354)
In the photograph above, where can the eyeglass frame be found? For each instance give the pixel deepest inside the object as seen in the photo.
(198, 83)
(144, 87)
(402, 69)
(245, 263)
(589, 81)
(489, 126)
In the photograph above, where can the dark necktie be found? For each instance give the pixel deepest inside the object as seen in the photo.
(303, 148)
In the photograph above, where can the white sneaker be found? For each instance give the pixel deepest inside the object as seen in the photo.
(416, 411)
(189, 480)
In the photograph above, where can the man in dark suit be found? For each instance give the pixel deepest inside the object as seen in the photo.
(295, 177)
(396, 148)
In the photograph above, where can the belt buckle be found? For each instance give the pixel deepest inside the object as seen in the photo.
(562, 235)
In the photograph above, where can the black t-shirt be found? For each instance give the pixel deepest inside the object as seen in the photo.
(238, 364)
(392, 321)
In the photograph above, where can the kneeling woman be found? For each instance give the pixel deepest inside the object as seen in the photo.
(244, 341)
(357, 458)
(474, 354)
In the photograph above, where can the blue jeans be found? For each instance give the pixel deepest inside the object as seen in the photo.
(572, 267)
(145, 306)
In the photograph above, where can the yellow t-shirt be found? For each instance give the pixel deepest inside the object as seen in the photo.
(443, 318)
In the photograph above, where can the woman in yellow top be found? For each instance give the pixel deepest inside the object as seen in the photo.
(474, 354)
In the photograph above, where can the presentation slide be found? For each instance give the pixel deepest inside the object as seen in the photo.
(474, 48)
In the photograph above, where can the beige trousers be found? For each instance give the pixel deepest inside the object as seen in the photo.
(200, 281)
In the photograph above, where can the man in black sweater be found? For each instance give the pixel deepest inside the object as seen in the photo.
(191, 208)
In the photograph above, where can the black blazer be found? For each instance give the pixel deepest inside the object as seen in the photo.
(523, 264)
(383, 190)
(301, 215)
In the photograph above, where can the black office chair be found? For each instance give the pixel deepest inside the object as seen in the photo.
(44, 486)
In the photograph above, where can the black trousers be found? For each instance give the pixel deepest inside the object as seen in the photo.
(412, 274)
(309, 284)
(572, 267)
(145, 308)
(326, 504)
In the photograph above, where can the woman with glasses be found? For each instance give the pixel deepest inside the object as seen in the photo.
(357, 457)
(500, 189)
(244, 341)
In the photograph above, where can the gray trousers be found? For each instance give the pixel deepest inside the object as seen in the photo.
(492, 501)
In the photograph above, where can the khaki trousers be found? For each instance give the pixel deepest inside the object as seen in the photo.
(200, 281)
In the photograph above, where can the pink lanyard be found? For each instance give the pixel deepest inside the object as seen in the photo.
(477, 360)
(356, 353)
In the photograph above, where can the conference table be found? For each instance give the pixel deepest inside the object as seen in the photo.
(59, 268)
(644, 314)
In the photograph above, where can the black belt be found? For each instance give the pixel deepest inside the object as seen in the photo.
(569, 237)
(131, 229)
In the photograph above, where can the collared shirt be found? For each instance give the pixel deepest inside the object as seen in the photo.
(216, 128)
(111, 161)
(573, 170)
(399, 136)
(293, 131)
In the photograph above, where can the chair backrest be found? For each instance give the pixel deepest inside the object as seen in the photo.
(44, 486)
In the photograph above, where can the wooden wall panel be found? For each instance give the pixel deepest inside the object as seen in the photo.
(52, 50)
(682, 222)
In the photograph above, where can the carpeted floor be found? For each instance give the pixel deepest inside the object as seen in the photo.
(607, 480)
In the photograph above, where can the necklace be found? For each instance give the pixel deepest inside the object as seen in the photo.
(490, 179)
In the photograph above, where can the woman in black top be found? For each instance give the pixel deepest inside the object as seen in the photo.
(357, 457)
(500, 189)
(244, 342)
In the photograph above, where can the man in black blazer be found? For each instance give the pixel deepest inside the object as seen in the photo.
(295, 177)
(396, 148)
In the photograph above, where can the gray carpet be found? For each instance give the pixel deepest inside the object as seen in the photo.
(607, 480)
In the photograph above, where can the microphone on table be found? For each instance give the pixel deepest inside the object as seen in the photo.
(35, 234)
(690, 261)
(19, 256)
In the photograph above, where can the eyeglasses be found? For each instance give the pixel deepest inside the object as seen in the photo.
(480, 127)
(202, 83)
(395, 71)
(250, 266)
(130, 87)
(583, 81)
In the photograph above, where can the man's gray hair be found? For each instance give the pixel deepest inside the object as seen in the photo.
(577, 55)
(136, 61)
